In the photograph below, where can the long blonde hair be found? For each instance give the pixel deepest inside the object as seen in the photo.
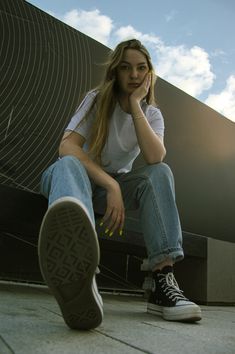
(107, 96)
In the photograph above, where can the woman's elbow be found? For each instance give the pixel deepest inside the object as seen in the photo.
(156, 158)
(62, 148)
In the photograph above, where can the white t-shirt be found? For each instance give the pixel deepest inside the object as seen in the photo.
(121, 147)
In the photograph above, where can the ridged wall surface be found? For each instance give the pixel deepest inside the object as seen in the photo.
(46, 67)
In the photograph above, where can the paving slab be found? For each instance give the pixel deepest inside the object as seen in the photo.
(31, 323)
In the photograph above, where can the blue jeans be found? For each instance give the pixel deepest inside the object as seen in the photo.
(148, 194)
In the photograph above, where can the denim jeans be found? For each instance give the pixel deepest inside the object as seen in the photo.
(148, 193)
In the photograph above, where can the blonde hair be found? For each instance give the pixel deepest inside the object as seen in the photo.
(107, 95)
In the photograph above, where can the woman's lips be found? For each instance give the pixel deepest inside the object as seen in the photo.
(133, 85)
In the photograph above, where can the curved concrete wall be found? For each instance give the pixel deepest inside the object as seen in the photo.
(46, 67)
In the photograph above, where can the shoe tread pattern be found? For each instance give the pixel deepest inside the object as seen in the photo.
(68, 264)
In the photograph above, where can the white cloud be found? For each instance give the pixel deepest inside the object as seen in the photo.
(218, 53)
(187, 68)
(127, 32)
(170, 16)
(224, 102)
(92, 23)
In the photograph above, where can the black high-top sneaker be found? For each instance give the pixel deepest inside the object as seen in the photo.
(168, 301)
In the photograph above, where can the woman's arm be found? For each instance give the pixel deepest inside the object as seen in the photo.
(151, 145)
(71, 144)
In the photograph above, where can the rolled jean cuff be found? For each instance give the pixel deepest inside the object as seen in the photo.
(176, 255)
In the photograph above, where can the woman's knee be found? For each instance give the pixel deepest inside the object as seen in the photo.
(70, 162)
(161, 173)
(69, 167)
(160, 170)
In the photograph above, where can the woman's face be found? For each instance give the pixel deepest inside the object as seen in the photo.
(131, 71)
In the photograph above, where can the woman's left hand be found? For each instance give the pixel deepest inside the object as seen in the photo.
(142, 91)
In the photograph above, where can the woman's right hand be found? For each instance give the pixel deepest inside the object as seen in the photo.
(115, 212)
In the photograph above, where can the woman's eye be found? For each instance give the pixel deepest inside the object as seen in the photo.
(124, 67)
(142, 67)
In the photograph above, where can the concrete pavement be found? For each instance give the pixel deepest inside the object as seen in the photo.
(31, 323)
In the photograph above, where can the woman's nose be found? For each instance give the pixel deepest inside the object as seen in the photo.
(134, 73)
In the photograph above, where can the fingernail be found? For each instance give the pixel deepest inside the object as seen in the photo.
(106, 231)
(111, 234)
(120, 232)
(102, 223)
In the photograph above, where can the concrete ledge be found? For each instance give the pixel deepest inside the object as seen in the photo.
(206, 274)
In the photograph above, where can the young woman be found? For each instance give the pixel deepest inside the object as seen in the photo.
(113, 124)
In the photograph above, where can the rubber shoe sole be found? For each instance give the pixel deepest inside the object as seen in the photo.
(69, 254)
(186, 313)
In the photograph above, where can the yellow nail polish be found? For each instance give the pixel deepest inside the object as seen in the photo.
(111, 234)
(106, 231)
(102, 223)
(120, 232)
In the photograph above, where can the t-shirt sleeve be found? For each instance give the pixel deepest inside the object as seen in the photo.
(84, 127)
(156, 121)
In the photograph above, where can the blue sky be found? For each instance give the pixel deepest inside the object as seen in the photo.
(191, 42)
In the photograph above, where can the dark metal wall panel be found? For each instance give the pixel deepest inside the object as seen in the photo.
(46, 67)
(201, 152)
